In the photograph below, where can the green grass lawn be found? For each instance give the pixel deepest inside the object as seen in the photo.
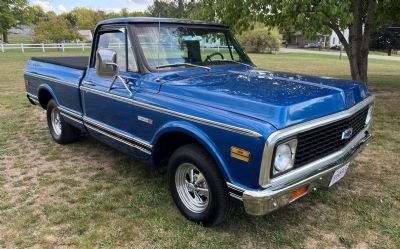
(16, 38)
(89, 195)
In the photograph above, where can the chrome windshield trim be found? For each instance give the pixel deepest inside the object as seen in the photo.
(51, 79)
(231, 128)
(264, 178)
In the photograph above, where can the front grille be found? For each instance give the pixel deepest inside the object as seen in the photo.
(322, 141)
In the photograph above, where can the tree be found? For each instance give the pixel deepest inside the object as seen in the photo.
(12, 14)
(386, 39)
(84, 18)
(57, 29)
(36, 14)
(362, 17)
(174, 9)
(261, 39)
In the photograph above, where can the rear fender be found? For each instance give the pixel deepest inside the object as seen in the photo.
(47, 87)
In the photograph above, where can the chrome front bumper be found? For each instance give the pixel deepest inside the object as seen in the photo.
(277, 194)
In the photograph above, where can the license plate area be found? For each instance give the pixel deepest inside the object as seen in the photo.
(339, 174)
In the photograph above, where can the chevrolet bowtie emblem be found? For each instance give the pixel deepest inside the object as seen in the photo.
(346, 134)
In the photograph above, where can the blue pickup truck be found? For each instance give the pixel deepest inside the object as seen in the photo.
(184, 95)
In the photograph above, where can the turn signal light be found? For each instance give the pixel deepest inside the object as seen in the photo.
(298, 193)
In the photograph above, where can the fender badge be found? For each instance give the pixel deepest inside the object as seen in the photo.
(346, 134)
(146, 120)
(240, 154)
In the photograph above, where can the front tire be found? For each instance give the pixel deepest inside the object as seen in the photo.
(197, 187)
(60, 131)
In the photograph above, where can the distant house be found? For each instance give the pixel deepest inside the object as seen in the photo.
(86, 34)
(329, 40)
(298, 38)
(334, 41)
(23, 30)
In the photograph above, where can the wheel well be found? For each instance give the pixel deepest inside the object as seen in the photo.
(44, 97)
(168, 143)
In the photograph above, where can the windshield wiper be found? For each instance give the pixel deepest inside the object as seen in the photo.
(237, 62)
(183, 64)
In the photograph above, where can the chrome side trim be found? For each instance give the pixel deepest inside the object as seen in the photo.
(118, 139)
(236, 196)
(52, 79)
(140, 142)
(70, 113)
(72, 118)
(231, 128)
(235, 191)
(264, 178)
(33, 96)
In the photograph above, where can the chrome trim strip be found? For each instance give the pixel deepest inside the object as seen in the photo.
(93, 123)
(264, 178)
(52, 79)
(120, 140)
(71, 113)
(236, 196)
(70, 117)
(236, 189)
(32, 96)
(230, 185)
(231, 128)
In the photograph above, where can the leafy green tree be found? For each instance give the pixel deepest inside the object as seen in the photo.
(56, 29)
(125, 13)
(84, 18)
(386, 39)
(36, 14)
(261, 39)
(174, 9)
(12, 14)
(362, 17)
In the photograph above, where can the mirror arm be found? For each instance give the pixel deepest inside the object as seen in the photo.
(117, 76)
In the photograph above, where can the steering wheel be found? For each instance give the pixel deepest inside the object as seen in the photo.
(208, 58)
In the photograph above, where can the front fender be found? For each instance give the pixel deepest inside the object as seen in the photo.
(200, 136)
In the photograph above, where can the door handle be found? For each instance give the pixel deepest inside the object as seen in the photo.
(88, 82)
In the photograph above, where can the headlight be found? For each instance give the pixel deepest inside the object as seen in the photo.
(369, 115)
(284, 156)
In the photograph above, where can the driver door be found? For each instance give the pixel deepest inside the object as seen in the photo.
(108, 115)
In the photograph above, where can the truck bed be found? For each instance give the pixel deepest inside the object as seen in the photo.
(77, 62)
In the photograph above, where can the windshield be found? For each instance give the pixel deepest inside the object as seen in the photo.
(205, 46)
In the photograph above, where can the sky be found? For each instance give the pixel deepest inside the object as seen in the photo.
(60, 6)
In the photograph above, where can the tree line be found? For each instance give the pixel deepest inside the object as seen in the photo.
(50, 27)
(361, 17)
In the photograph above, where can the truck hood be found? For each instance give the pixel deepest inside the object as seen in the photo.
(281, 99)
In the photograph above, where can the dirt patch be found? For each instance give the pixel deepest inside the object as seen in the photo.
(383, 93)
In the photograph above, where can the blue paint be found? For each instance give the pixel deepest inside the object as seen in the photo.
(259, 101)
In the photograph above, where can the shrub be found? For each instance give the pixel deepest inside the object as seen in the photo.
(261, 40)
(57, 29)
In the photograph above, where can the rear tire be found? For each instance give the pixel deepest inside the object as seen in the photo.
(60, 131)
(197, 187)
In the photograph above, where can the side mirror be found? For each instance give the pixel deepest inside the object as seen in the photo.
(106, 62)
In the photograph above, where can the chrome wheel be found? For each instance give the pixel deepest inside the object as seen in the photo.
(56, 121)
(192, 187)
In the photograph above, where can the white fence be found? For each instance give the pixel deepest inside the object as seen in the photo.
(44, 46)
